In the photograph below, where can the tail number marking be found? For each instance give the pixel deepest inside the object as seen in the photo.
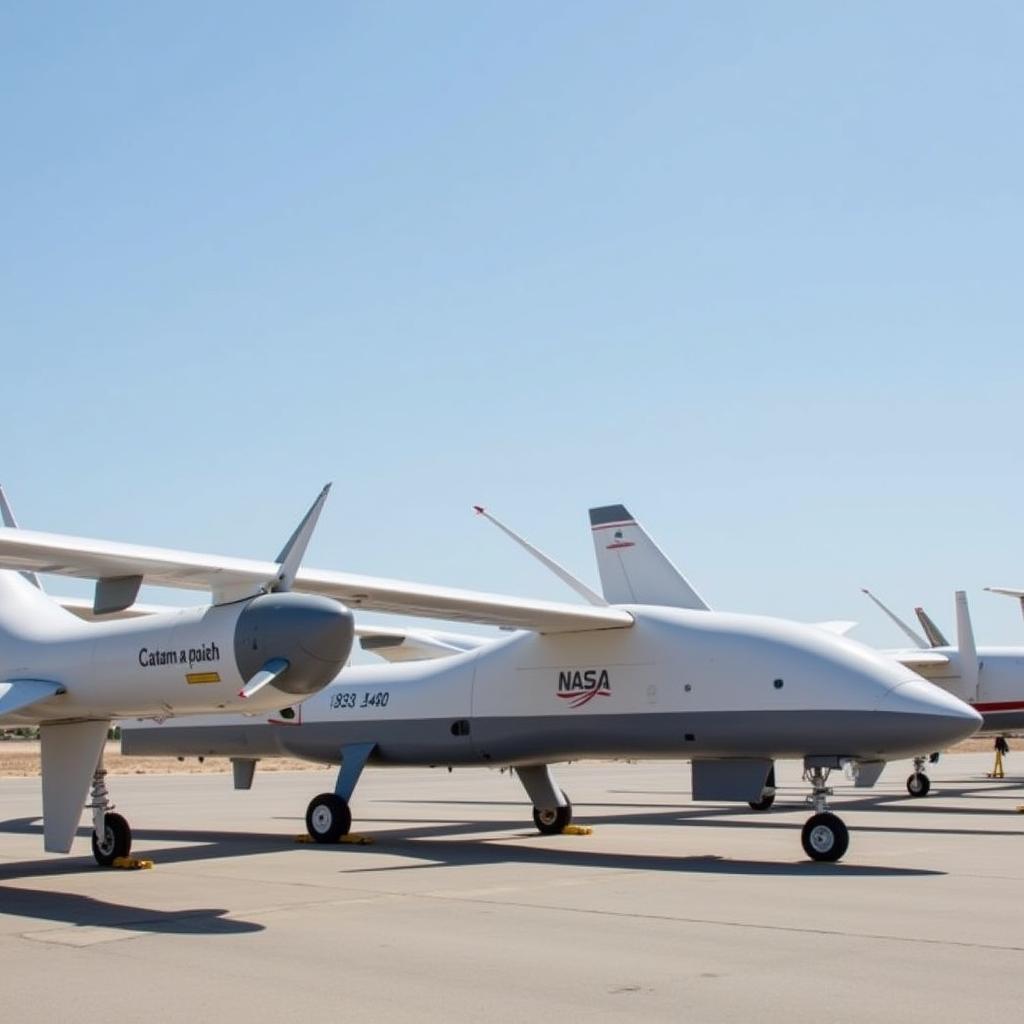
(351, 701)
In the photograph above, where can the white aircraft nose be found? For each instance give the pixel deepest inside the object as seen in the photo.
(934, 718)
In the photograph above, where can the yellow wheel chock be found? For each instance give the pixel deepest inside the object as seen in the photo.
(352, 839)
(131, 864)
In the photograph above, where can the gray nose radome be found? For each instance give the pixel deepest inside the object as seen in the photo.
(313, 634)
(932, 719)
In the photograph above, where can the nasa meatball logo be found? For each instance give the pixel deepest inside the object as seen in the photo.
(581, 686)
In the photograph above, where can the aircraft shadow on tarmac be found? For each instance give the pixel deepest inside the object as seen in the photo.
(437, 843)
(737, 816)
(431, 845)
(86, 911)
(198, 846)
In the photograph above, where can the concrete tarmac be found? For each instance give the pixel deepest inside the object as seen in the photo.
(460, 912)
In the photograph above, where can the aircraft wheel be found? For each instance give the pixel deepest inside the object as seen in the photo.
(328, 818)
(551, 820)
(825, 837)
(115, 842)
(918, 784)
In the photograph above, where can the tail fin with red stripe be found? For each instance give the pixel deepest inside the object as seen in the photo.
(633, 569)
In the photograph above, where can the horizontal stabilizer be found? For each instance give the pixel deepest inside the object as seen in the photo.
(837, 627)
(18, 694)
(633, 569)
(919, 659)
(85, 609)
(415, 644)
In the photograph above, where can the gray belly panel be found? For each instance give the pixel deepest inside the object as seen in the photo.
(869, 735)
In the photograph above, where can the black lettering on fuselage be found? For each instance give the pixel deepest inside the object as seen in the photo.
(577, 681)
(151, 659)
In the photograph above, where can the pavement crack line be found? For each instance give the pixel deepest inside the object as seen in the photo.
(671, 918)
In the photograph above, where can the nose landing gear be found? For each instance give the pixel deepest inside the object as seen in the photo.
(825, 836)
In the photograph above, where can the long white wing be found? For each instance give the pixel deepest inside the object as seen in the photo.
(392, 643)
(99, 559)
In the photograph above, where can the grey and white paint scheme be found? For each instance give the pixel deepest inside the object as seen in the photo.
(249, 650)
(620, 678)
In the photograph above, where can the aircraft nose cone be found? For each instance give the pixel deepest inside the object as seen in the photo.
(313, 634)
(929, 717)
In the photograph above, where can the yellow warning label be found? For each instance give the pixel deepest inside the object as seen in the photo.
(202, 677)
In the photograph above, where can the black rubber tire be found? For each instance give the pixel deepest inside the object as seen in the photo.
(825, 837)
(328, 818)
(767, 798)
(918, 784)
(116, 842)
(550, 822)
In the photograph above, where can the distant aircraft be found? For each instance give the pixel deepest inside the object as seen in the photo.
(645, 670)
(256, 647)
(989, 678)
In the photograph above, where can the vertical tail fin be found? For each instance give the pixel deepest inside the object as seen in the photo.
(633, 569)
(7, 518)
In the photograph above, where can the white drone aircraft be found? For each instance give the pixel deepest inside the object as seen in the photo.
(255, 644)
(989, 678)
(643, 671)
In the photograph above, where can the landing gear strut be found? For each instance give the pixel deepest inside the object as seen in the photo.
(824, 837)
(111, 834)
(767, 794)
(328, 817)
(918, 783)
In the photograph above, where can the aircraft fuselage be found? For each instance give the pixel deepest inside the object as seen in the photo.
(677, 684)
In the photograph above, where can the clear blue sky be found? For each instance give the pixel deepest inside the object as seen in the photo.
(752, 269)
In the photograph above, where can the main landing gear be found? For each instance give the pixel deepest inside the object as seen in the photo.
(550, 821)
(552, 811)
(111, 834)
(328, 816)
(918, 783)
(825, 837)
(767, 794)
